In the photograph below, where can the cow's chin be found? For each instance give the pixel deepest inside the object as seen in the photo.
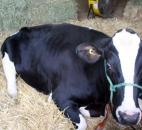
(122, 122)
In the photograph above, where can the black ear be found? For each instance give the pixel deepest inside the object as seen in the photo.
(88, 53)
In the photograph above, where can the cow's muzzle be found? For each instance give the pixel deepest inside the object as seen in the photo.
(129, 118)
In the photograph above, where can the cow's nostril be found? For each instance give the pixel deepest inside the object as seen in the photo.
(129, 118)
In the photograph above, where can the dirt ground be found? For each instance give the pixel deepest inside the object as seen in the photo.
(31, 110)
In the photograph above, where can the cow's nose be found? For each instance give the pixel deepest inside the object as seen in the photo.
(129, 118)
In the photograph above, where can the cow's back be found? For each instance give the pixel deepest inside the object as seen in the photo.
(42, 54)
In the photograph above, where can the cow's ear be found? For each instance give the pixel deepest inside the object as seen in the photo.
(88, 53)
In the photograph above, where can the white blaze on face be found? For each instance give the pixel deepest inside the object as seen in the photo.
(127, 45)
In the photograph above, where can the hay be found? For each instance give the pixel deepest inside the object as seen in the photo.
(17, 13)
(133, 10)
(31, 109)
(110, 26)
(137, 2)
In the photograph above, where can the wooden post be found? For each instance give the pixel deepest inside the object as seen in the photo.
(82, 9)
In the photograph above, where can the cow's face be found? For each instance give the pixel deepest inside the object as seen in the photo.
(124, 65)
(125, 100)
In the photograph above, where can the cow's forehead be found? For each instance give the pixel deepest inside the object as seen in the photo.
(127, 43)
(126, 37)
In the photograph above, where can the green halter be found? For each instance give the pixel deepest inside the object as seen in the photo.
(113, 87)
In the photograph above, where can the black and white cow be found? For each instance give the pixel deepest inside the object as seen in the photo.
(67, 62)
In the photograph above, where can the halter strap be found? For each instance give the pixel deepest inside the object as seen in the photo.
(113, 87)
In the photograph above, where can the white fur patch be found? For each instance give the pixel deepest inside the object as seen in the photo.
(50, 97)
(10, 74)
(84, 112)
(90, 28)
(82, 125)
(127, 44)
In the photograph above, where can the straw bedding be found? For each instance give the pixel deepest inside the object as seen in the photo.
(31, 110)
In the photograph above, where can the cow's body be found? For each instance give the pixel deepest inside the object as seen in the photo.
(46, 57)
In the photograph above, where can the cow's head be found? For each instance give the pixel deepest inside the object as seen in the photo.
(124, 65)
(128, 45)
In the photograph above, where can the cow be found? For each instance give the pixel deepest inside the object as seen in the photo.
(77, 66)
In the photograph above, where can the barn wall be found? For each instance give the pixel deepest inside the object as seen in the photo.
(17, 13)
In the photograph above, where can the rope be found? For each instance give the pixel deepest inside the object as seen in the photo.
(113, 87)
